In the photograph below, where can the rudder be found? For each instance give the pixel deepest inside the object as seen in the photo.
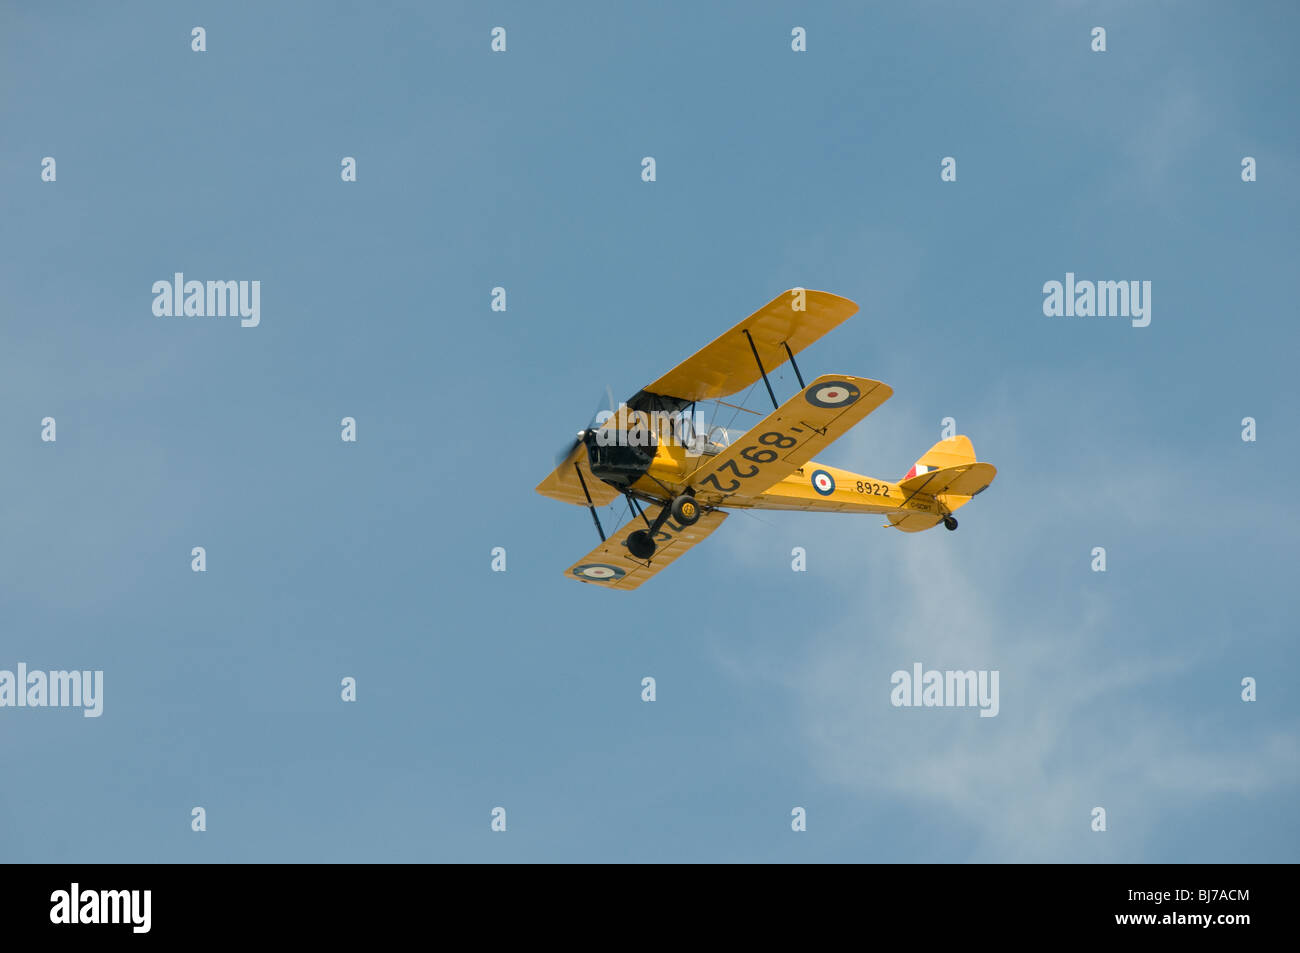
(950, 452)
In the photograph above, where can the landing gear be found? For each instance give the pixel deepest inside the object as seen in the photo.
(949, 523)
(641, 544)
(685, 510)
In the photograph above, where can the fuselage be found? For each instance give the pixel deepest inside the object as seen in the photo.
(666, 470)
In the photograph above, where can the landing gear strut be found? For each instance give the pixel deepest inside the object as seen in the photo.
(683, 509)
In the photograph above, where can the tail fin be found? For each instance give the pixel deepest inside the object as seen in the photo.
(951, 452)
(949, 472)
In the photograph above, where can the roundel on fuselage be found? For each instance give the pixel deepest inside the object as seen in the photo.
(823, 482)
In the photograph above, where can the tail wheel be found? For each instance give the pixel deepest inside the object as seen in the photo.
(641, 544)
(685, 510)
(949, 523)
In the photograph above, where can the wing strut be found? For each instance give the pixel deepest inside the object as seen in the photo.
(790, 354)
(652, 528)
(637, 509)
(759, 362)
(591, 506)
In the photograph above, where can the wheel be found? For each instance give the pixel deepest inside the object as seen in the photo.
(641, 545)
(685, 510)
(949, 523)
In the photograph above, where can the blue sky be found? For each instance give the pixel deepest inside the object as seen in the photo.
(522, 689)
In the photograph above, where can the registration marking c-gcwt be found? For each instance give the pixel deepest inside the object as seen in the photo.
(823, 482)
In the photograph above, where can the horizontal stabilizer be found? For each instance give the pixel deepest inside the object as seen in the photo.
(967, 479)
(914, 522)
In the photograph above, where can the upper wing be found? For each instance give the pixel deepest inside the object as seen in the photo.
(788, 437)
(727, 365)
(612, 566)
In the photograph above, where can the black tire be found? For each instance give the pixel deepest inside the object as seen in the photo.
(641, 545)
(949, 523)
(685, 510)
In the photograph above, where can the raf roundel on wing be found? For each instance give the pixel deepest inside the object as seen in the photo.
(833, 394)
(599, 572)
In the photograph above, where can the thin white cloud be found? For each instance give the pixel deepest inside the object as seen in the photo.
(1084, 718)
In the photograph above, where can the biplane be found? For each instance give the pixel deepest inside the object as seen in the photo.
(678, 483)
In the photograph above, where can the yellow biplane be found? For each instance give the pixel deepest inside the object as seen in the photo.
(677, 480)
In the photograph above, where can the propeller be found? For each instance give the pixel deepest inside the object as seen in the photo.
(572, 445)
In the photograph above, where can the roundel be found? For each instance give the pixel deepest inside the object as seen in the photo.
(833, 394)
(823, 482)
(597, 572)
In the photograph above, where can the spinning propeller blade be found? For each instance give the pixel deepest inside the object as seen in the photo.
(572, 445)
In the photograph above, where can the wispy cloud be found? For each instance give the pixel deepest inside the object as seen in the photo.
(1084, 718)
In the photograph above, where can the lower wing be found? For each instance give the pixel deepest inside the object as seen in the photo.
(612, 566)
